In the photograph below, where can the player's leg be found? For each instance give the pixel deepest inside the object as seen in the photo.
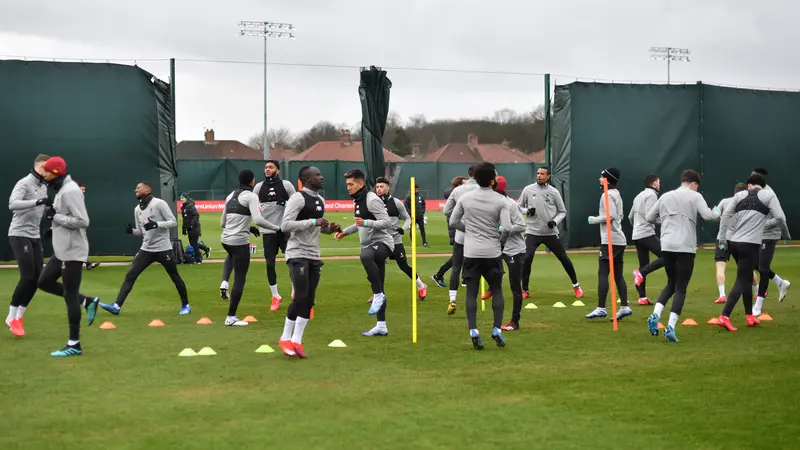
(194, 238)
(227, 269)
(240, 258)
(643, 255)
(374, 260)
(492, 271)
(38, 266)
(171, 267)
(421, 225)
(531, 244)
(400, 256)
(141, 261)
(514, 264)
(299, 310)
(722, 254)
(455, 276)
(670, 263)
(560, 252)
(619, 280)
(472, 275)
(71, 277)
(28, 276)
(746, 261)
(271, 244)
(438, 277)
(603, 272)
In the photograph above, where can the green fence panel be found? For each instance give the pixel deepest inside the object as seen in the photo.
(102, 118)
(203, 179)
(517, 176)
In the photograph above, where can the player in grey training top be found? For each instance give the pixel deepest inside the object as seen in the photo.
(644, 236)
(241, 209)
(678, 210)
(544, 210)
(373, 224)
(304, 220)
(152, 220)
(743, 226)
(772, 233)
(481, 214)
(722, 250)
(27, 203)
(458, 246)
(273, 193)
(618, 243)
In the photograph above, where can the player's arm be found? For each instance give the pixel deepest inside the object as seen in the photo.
(726, 219)
(289, 187)
(450, 204)
(517, 221)
(378, 209)
(15, 200)
(505, 222)
(651, 216)
(561, 209)
(255, 212)
(522, 201)
(76, 216)
(195, 216)
(137, 227)
(224, 216)
(600, 218)
(456, 216)
(404, 215)
(705, 212)
(167, 219)
(780, 217)
(293, 207)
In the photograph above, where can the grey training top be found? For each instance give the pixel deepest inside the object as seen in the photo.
(772, 230)
(374, 231)
(404, 216)
(26, 217)
(70, 223)
(549, 206)
(723, 205)
(480, 214)
(615, 207)
(515, 244)
(236, 227)
(304, 234)
(157, 239)
(272, 211)
(641, 204)
(678, 210)
(450, 204)
(744, 220)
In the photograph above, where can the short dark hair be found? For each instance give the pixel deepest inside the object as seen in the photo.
(40, 158)
(457, 181)
(739, 188)
(273, 161)
(690, 176)
(471, 170)
(302, 173)
(484, 174)
(761, 171)
(546, 168)
(79, 183)
(649, 179)
(382, 180)
(355, 174)
(246, 176)
(757, 179)
(143, 183)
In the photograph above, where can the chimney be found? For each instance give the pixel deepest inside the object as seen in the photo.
(415, 150)
(472, 140)
(345, 140)
(209, 135)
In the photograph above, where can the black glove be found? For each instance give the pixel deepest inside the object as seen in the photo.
(531, 212)
(722, 244)
(48, 233)
(50, 212)
(185, 231)
(44, 201)
(150, 225)
(129, 229)
(551, 224)
(255, 231)
(400, 230)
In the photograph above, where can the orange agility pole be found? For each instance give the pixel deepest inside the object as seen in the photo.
(613, 281)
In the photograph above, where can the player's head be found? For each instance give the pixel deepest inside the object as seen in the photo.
(485, 174)
(542, 175)
(458, 181)
(81, 185)
(354, 180)
(184, 197)
(54, 167)
(756, 179)
(739, 187)
(272, 168)
(651, 180)
(416, 188)
(311, 177)
(382, 186)
(761, 171)
(471, 171)
(38, 164)
(612, 175)
(247, 178)
(500, 185)
(691, 179)
(143, 189)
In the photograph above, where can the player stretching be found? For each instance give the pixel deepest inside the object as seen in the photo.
(678, 210)
(481, 214)
(303, 218)
(152, 221)
(373, 224)
(241, 208)
(544, 210)
(644, 236)
(722, 251)
(743, 225)
(458, 246)
(438, 277)
(772, 233)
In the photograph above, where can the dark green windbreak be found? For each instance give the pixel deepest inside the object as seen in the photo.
(113, 124)
(374, 93)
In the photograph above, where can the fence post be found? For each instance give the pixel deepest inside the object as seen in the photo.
(547, 119)
(701, 236)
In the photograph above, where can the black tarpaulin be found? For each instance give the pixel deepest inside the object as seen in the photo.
(374, 93)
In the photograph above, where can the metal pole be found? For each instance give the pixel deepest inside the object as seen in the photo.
(547, 123)
(668, 77)
(264, 138)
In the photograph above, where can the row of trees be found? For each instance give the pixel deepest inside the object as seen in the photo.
(524, 131)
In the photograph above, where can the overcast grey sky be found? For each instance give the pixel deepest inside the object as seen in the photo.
(735, 42)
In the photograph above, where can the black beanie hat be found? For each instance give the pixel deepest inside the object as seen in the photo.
(611, 174)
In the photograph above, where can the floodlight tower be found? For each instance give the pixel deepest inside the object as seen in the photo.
(670, 54)
(266, 30)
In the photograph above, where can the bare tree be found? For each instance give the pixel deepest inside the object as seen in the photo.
(276, 137)
(505, 116)
(417, 121)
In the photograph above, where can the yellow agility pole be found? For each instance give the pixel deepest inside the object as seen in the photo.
(483, 293)
(413, 263)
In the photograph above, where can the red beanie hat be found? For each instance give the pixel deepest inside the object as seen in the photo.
(501, 184)
(56, 165)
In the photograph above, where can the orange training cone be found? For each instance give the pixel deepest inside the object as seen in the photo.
(204, 321)
(765, 317)
(107, 326)
(660, 326)
(249, 319)
(713, 321)
(689, 322)
(156, 323)
(311, 316)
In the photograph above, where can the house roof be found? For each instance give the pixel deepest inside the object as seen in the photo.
(216, 149)
(337, 150)
(493, 153)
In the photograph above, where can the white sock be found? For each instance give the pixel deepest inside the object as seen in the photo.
(381, 325)
(224, 285)
(274, 290)
(721, 288)
(12, 313)
(759, 303)
(474, 332)
(657, 310)
(378, 297)
(288, 327)
(299, 328)
(453, 296)
(292, 291)
(420, 284)
(576, 285)
(778, 280)
(71, 342)
(21, 311)
(231, 319)
(673, 319)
